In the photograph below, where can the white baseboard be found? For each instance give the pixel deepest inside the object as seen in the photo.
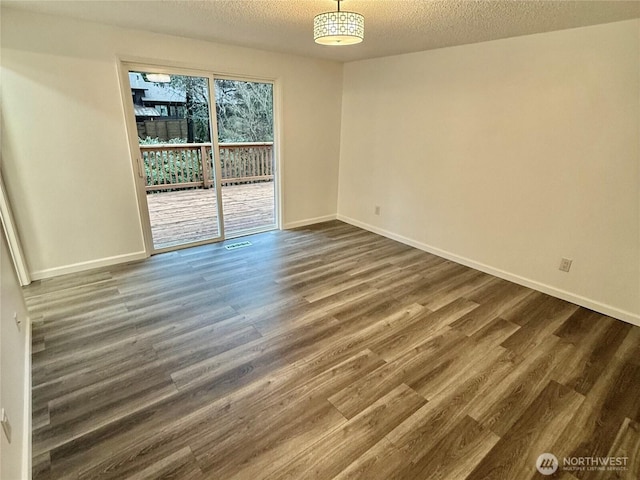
(542, 287)
(89, 265)
(26, 434)
(309, 221)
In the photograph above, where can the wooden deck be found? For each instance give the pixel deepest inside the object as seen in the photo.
(191, 215)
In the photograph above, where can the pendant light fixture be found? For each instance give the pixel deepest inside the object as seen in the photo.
(338, 28)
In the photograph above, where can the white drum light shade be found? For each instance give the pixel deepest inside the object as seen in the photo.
(338, 28)
(158, 77)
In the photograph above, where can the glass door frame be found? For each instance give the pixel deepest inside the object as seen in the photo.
(276, 225)
(124, 66)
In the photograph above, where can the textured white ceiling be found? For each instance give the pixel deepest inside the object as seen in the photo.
(391, 26)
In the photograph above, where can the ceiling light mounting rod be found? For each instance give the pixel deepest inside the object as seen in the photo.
(338, 27)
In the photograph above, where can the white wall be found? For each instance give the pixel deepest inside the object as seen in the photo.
(506, 155)
(14, 381)
(64, 145)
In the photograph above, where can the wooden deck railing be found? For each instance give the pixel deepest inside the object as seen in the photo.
(178, 166)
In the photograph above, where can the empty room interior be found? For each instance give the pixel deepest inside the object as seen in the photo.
(365, 239)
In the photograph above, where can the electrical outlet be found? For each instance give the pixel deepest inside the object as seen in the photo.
(6, 426)
(376, 210)
(565, 265)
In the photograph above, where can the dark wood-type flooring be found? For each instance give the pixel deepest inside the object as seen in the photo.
(319, 353)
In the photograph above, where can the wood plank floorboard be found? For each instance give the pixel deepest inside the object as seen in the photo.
(324, 352)
(186, 216)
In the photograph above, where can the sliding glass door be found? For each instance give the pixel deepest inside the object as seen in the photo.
(173, 126)
(201, 178)
(244, 114)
